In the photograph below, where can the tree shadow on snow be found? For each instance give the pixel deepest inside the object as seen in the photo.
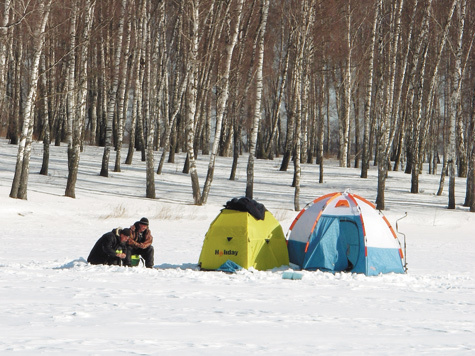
(183, 266)
(82, 262)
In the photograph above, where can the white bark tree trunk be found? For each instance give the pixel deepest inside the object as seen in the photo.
(239, 93)
(122, 90)
(416, 85)
(192, 69)
(300, 88)
(176, 97)
(258, 99)
(345, 125)
(223, 83)
(135, 76)
(78, 112)
(70, 96)
(454, 101)
(397, 106)
(276, 111)
(112, 99)
(20, 179)
(386, 124)
(46, 119)
(3, 50)
(369, 94)
(150, 170)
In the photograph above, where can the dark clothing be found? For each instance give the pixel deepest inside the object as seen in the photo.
(104, 251)
(147, 254)
(254, 208)
(140, 244)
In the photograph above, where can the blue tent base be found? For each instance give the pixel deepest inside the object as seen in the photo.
(229, 267)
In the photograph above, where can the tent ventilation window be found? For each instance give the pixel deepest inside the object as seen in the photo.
(342, 204)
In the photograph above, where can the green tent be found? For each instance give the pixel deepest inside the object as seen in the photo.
(240, 237)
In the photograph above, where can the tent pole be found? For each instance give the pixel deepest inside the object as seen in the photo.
(404, 235)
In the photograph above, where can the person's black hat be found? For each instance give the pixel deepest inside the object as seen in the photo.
(144, 221)
(125, 232)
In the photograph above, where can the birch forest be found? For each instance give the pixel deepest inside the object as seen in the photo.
(383, 83)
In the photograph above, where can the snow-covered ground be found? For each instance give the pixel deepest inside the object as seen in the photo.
(54, 303)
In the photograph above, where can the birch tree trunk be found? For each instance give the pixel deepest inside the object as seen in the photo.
(192, 69)
(122, 92)
(472, 203)
(135, 71)
(454, 101)
(140, 134)
(150, 175)
(213, 27)
(386, 138)
(46, 119)
(17, 59)
(78, 112)
(138, 141)
(172, 121)
(369, 94)
(258, 98)
(416, 85)
(276, 112)
(223, 85)
(442, 175)
(419, 133)
(402, 76)
(357, 130)
(20, 179)
(164, 86)
(102, 81)
(290, 135)
(321, 123)
(178, 93)
(462, 149)
(345, 125)
(70, 96)
(471, 175)
(432, 96)
(240, 95)
(113, 93)
(297, 166)
(3, 51)
(470, 185)
(300, 88)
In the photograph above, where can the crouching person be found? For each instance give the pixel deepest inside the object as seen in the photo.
(111, 248)
(140, 242)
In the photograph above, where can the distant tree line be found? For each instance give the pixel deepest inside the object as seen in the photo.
(383, 82)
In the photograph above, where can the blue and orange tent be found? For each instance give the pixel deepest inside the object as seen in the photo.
(344, 232)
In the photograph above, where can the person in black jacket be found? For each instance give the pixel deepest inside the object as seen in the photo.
(110, 249)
